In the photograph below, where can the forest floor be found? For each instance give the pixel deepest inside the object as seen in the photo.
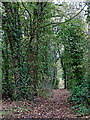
(57, 106)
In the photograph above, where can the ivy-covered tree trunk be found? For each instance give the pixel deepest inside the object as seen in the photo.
(11, 27)
(88, 21)
(5, 68)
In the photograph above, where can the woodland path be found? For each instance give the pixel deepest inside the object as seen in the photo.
(57, 106)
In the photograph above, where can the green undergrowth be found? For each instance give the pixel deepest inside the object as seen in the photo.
(80, 99)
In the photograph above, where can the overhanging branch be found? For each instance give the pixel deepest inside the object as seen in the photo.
(55, 23)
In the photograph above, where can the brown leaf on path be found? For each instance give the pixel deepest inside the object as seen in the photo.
(56, 106)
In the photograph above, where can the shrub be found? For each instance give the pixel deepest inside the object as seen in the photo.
(80, 98)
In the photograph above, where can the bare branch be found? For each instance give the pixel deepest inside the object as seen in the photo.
(26, 9)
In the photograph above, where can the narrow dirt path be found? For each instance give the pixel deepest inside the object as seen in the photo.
(55, 107)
